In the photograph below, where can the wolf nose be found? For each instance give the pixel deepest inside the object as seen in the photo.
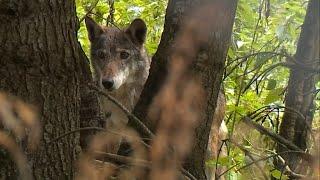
(107, 83)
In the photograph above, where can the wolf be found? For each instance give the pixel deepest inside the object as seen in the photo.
(218, 133)
(120, 65)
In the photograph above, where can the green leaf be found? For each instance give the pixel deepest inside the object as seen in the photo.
(277, 174)
(231, 53)
(222, 161)
(271, 84)
(273, 95)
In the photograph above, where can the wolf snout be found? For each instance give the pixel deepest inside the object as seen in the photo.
(108, 84)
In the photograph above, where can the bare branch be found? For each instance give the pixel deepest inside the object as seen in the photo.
(124, 109)
(89, 11)
(277, 138)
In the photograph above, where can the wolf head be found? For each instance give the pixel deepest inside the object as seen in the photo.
(118, 55)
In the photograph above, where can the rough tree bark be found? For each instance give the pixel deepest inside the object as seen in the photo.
(42, 63)
(301, 88)
(209, 67)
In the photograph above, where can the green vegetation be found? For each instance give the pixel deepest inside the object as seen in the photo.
(265, 35)
(125, 11)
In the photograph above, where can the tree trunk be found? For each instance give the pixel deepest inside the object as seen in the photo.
(42, 63)
(208, 67)
(301, 88)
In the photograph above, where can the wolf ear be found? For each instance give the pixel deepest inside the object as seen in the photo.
(94, 30)
(137, 31)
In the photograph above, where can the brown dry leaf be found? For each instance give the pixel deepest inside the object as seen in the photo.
(19, 120)
(89, 168)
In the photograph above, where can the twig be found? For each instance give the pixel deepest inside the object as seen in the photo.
(137, 162)
(262, 74)
(113, 23)
(124, 109)
(220, 149)
(315, 92)
(268, 157)
(188, 174)
(75, 131)
(291, 173)
(251, 157)
(257, 24)
(273, 136)
(224, 172)
(264, 108)
(260, 159)
(90, 129)
(258, 53)
(110, 18)
(89, 11)
(137, 120)
(124, 159)
(277, 138)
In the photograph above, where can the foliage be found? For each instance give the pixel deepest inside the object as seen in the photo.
(152, 12)
(265, 35)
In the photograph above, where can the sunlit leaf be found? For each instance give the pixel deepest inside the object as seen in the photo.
(273, 95)
(277, 174)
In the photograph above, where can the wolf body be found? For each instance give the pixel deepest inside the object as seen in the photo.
(218, 133)
(120, 64)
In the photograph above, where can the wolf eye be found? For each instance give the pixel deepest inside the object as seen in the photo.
(101, 54)
(124, 55)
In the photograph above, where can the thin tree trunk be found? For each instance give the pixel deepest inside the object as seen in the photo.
(301, 88)
(42, 63)
(208, 68)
